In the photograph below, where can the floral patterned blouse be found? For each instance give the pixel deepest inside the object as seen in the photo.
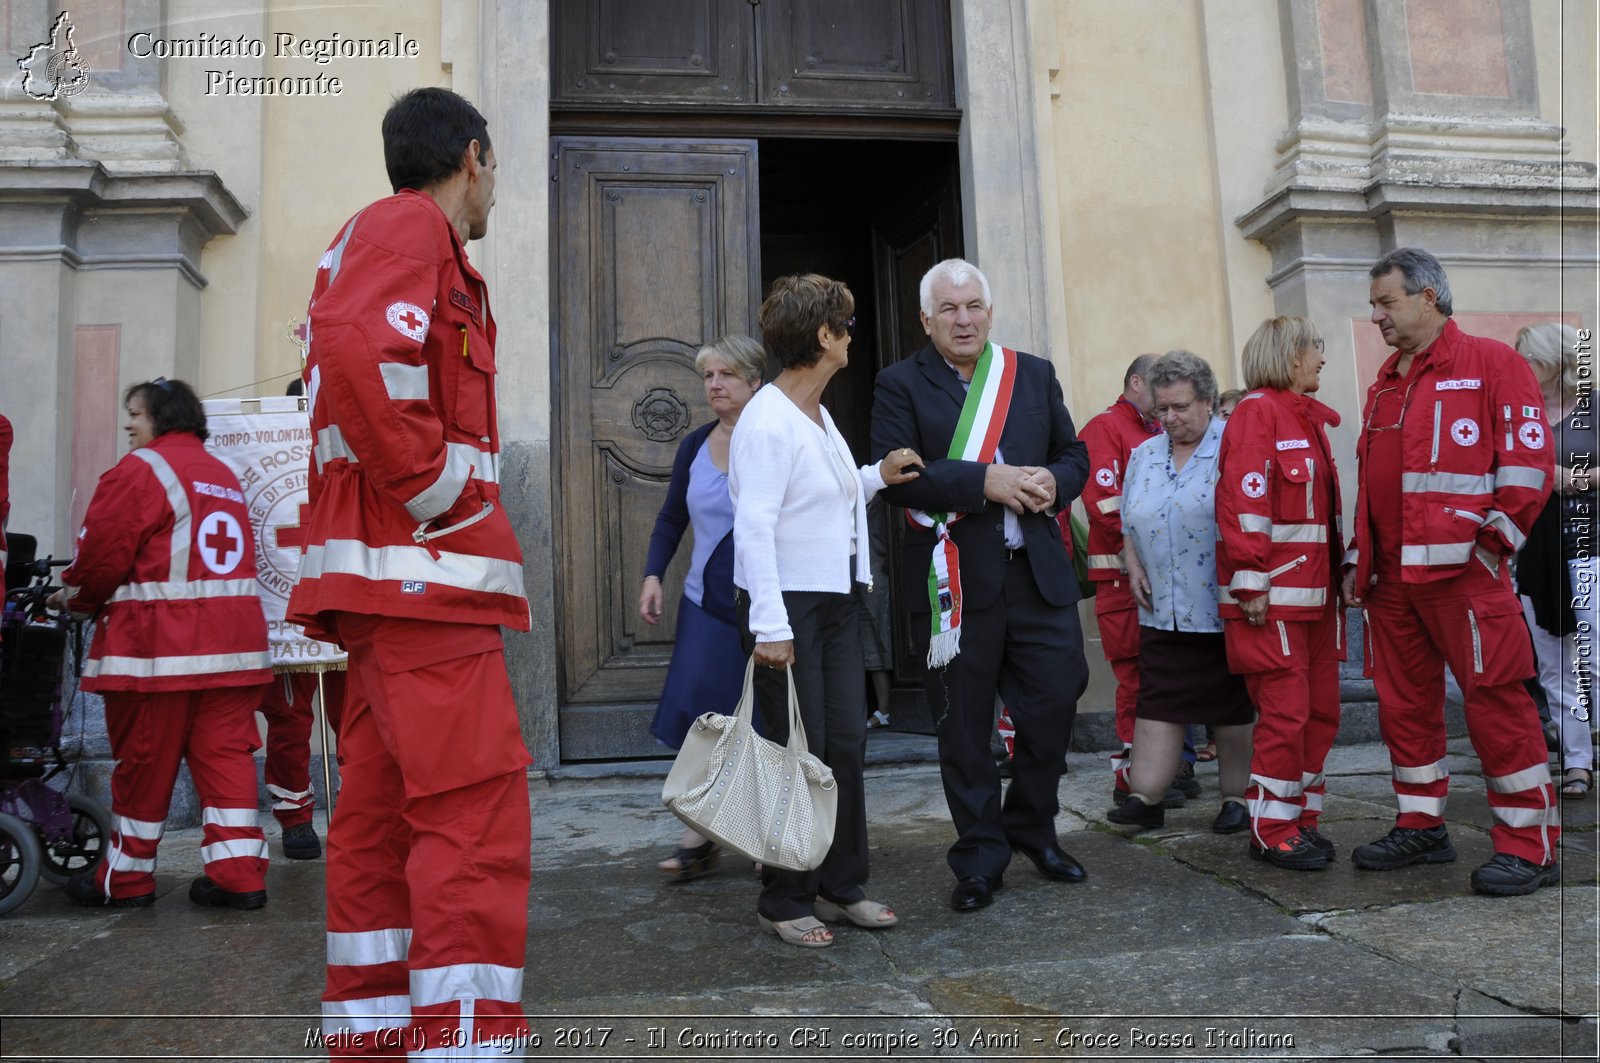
(1171, 518)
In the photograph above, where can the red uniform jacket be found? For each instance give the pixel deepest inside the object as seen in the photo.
(1110, 436)
(166, 556)
(1278, 523)
(1476, 466)
(405, 516)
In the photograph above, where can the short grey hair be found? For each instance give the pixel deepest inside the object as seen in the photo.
(1552, 345)
(1179, 365)
(955, 271)
(1139, 367)
(1421, 271)
(744, 356)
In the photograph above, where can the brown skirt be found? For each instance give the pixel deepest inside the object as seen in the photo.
(1184, 678)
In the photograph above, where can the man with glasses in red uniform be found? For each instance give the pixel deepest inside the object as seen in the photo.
(1454, 467)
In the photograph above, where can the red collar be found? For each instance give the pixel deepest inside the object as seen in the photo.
(1150, 427)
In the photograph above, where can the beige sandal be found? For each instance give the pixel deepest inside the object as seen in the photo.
(796, 931)
(869, 915)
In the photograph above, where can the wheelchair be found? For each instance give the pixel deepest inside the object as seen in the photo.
(45, 832)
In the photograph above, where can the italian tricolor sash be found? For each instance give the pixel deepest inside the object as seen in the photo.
(977, 437)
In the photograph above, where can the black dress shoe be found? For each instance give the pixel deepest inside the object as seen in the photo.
(208, 894)
(1135, 813)
(1173, 798)
(1053, 862)
(1233, 818)
(973, 893)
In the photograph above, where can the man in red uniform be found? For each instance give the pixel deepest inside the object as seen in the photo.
(287, 771)
(1110, 436)
(410, 563)
(166, 560)
(1455, 466)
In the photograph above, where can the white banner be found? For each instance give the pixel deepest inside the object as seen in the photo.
(267, 443)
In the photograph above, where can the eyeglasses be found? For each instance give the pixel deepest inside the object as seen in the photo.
(1179, 408)
(1400, 414)
(850, 327)
(1318, 344)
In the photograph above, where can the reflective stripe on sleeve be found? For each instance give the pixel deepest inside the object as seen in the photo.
(465, 981)
(1422, 773)
(1299, 533)
(365, 1016)
(169, 667)
(234, 849)
(1246, 580)
(331, 445)
(404, 382)
(1502, 523)
(1112, 561)
(364, 948)
(186, 590)
(1519, 476)
(1305, 597)
(1526, 779)
(1110, 505)
(1449, 483)
(1255, 523)
(468, 572)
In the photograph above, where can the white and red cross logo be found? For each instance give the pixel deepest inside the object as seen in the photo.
(221, 542)
(1464, 431)
(408, 319)
(1254, 485)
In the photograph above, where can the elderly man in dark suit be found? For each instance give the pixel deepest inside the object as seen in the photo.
(989, 581)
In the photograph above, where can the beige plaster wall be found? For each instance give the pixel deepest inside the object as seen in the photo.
(1564, 36)
(1140, 223)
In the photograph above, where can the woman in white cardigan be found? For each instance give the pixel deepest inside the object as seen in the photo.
(800, 521)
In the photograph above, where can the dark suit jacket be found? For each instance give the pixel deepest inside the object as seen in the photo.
(916, 404)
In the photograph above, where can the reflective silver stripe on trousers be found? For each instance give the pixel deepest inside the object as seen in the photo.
(365, 1016)
(465, 981)
(118, 860)
(1498, 520)
(348, 557)
(138, 828)
(1449, 483)
(1280, 787)
(363, 948)
(288, 799)
(1110, 505)
(164, 667)
(1526, 779)
(1313, 799)
(1255, 523)
(234, 849)
(228, 817)
(1526, 817)
(1438, 554)
(180, 512)
(1262, 808)
(1427, 806)
(186, 590)
(404, 382)
(1519, 476)
(1422, 773)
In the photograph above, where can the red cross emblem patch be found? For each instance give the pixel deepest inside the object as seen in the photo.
(221, 542)
(408, 319)
(1254, 485)
(1465, 431)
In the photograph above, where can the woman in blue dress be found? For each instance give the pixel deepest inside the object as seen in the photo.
(707, 669)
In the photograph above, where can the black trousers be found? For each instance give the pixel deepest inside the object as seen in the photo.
(1031, 653)
(830, 680)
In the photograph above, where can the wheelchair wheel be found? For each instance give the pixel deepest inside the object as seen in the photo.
(20, 861)
(83, 851)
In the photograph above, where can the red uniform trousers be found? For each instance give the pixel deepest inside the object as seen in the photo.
(1117, 615)
(1473, 622)
(287, 707)
(214, 730)
(1291, 668)
(428, 856)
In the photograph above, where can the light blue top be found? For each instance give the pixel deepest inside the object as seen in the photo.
(1171, 517)
(710, 515)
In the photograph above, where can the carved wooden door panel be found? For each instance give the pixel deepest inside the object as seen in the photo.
(657, 254)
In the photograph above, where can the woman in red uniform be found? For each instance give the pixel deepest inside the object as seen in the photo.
(1278, 552)
(166, 563)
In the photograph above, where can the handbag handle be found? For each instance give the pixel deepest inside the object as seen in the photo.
(747, 706)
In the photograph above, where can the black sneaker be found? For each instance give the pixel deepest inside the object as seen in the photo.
(1295, 853)
(1512, 876)
(208, 894)
(300, 842)
(1173, 798)
(83, 889)
(1406, 845)
(1185, 782)
(1320, 840)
